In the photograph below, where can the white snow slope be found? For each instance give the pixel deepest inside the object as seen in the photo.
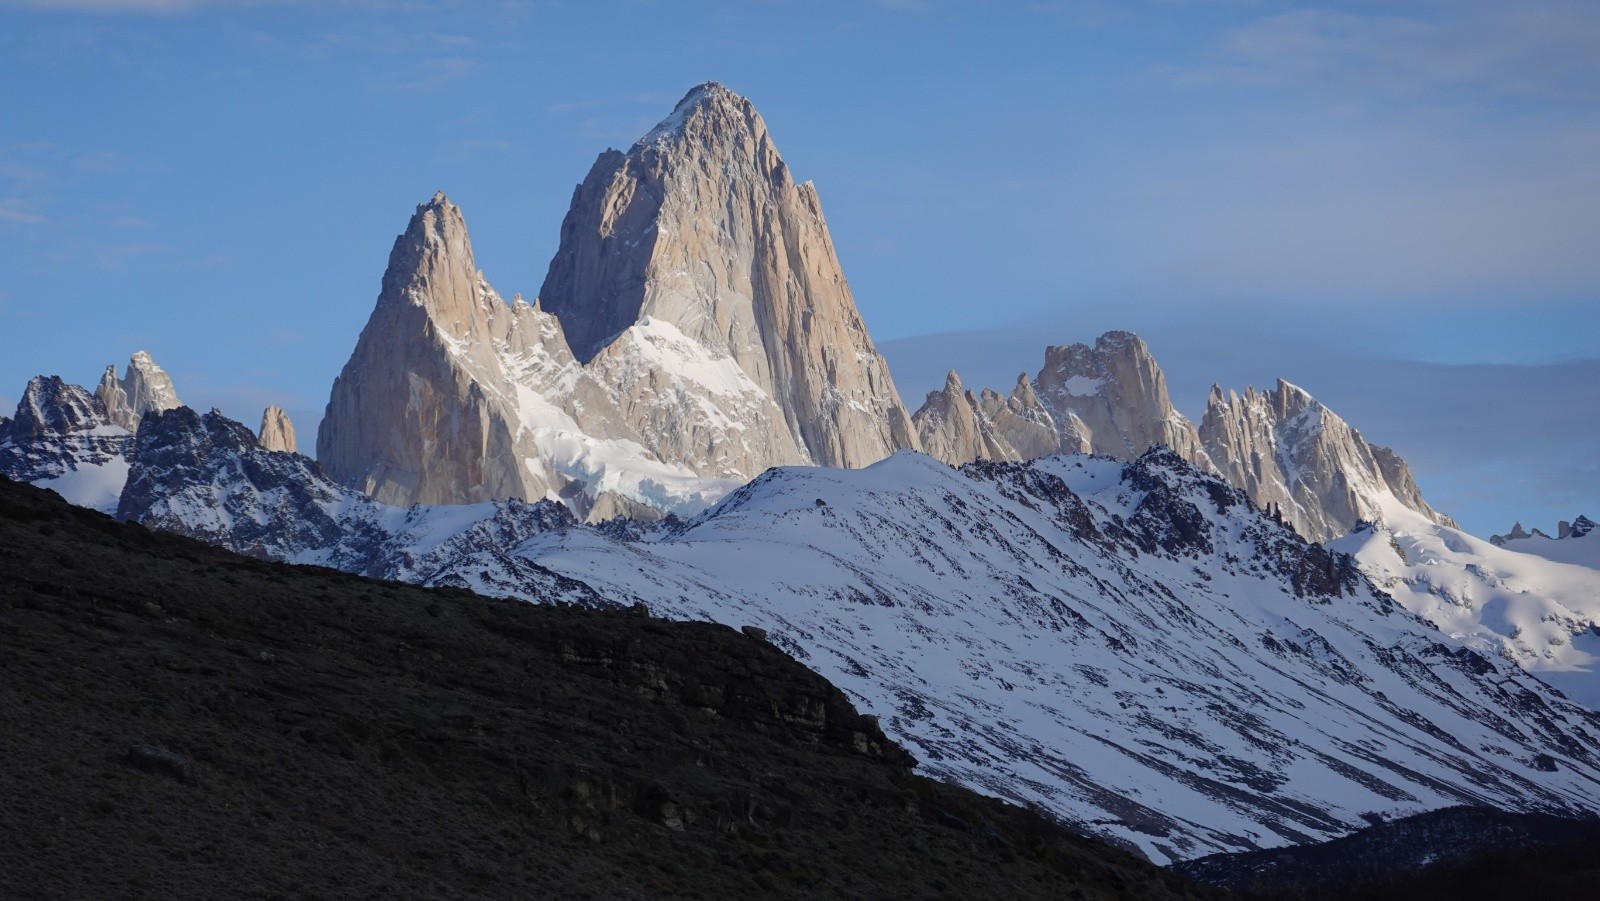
(1540, 613)
(1130, 646)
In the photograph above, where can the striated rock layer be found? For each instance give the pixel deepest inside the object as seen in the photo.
(712, 336)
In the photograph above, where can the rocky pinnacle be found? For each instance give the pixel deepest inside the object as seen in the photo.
(701, 225)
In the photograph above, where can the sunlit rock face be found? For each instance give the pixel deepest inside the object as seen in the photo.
(694, 330)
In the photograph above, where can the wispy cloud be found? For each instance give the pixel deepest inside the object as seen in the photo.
(18, 211)
(1505, 49)
(431, 75)
(142, 7)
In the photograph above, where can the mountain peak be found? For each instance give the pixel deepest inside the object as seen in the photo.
(144, 386)
(721, 110)
(701, 228)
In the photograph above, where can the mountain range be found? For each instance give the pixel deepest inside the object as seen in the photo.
(1186, 639)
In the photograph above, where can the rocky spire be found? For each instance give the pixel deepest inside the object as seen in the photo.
(276, 432)
(144, 387)
(951, 426)
(421, 413)
(1107, 399)
(701, 226)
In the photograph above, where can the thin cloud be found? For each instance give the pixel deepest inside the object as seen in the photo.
(18, 211)
(433, 74)
(142, 7)
(1501, 49)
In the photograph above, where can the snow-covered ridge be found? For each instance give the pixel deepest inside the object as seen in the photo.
(1541, 613)
(1131, 646)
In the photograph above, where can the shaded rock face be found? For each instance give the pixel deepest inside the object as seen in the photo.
(209, 478)
(1290, 453)
(62, 438)
(143, 387)
(189, 463)
(700, 225)
(715, 337)
(276, 432)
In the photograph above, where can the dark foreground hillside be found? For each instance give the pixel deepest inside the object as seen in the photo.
(1455, 854)
(179, 722)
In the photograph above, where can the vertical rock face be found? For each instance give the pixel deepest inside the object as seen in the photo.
(454, 396)
(1285, 448)
(144, 387)
(701, 226)
(276, 432)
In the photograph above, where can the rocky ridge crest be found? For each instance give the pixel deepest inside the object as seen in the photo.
(1287, 451)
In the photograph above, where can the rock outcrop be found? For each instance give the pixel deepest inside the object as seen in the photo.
(277, 431)
(715, 337)
(701, 226)
(455, 396)
(143, 387)
(425, 410)
(1290, 453)
(1577, 528)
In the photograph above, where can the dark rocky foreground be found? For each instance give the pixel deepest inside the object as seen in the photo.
(1454, 854)
(181, 722)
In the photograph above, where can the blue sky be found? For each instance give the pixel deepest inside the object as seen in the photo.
(1395, 205)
